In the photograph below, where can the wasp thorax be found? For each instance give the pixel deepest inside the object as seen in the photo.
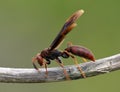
(45, 52)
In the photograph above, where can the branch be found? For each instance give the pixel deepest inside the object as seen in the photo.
(20, 75)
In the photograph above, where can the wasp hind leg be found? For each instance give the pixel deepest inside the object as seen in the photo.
(83, 59)
(76, 63)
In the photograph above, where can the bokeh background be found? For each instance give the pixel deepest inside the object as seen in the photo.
(28, 26)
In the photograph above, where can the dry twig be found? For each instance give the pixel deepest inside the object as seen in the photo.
(20, 75)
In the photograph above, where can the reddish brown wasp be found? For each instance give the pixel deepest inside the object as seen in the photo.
(51, 53)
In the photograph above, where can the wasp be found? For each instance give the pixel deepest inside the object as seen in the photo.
(45, 57)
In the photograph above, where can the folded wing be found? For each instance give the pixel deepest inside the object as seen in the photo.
(67, 27)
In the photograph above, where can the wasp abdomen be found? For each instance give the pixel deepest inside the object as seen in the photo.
(81, 51)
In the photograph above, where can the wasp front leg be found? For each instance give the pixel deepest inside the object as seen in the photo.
(34, 59)
(40, 61)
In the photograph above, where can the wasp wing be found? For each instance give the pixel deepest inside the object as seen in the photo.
(67, 27)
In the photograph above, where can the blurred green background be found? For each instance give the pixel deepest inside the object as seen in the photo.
(28, 26)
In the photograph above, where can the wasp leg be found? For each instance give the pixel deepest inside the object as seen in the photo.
(64, 70)
(76, 63)
(45, 65)
(33, 62)
(85, 60)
